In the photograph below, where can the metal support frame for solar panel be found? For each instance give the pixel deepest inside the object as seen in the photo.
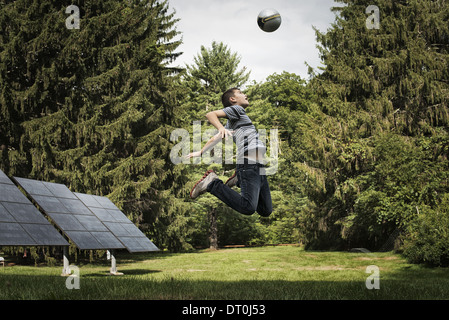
(21, 223)
(116, 221)
(71, 216)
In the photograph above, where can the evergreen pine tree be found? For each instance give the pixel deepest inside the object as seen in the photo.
(382, 90)
(215, 70)
(280, 103)
(93, 107)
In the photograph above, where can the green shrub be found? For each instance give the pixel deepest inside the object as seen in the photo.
(428, 240)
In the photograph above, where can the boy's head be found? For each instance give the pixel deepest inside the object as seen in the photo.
(233, 97)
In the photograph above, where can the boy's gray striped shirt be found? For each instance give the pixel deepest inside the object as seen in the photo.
(245, 134)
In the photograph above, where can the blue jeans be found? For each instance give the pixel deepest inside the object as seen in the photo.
(255, 192)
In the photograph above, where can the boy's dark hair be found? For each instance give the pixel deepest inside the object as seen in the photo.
(226, 96)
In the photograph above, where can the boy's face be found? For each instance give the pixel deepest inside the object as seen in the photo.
(240, 99)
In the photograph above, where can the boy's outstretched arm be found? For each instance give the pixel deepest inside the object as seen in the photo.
(210, 144)
(213, 119)
(223, 133)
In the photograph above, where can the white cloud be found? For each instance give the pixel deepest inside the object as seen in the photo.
(235, 24)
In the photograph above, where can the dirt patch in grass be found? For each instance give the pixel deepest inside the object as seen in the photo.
(195, 270)
(375, 258)
(305, 268)
(321, 268)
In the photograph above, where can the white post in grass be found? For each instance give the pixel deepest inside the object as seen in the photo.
(113, 264)
(66, 268)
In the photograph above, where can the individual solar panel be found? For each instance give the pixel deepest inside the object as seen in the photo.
(21, 224)
(107, 239)
(84, 240)
(46, 232)
(25, 213)
(4, 178)
(12, 234)
(59, 190)
(5, 216)
(117, 222)
(70, 214)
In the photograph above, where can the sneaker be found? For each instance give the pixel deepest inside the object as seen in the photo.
(201, 186)
(232, 181)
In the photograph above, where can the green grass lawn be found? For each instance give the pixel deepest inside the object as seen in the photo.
(266, 273)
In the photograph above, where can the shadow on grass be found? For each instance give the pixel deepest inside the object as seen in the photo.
(127, 272)
(138, 284)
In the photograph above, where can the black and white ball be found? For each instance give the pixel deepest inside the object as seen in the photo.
(269, 20)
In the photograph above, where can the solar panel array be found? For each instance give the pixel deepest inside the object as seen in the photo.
(21, 224)
(116, 221)
(90, 222)
(74, 219)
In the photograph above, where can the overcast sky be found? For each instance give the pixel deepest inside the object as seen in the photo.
(234, 22)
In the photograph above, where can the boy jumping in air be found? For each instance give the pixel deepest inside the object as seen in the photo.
(250, 172)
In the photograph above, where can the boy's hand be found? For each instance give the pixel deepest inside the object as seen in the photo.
(225, 133)
(193, 155)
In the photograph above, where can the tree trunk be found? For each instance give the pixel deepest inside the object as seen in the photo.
(213, 229)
